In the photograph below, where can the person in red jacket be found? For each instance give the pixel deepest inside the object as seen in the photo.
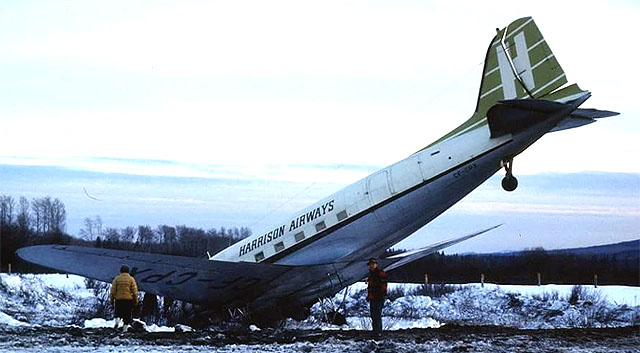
(377, 290)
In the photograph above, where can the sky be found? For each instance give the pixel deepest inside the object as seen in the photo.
(272, 105)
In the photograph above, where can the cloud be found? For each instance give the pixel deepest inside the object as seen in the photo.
(550, 210)
(289, 82)
(558, 208)
(584, 194)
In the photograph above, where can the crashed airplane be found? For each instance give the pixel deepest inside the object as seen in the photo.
(320, 250)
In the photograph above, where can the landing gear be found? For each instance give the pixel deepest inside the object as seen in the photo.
(509, 182)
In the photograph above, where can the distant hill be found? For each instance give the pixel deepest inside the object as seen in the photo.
(631, 248)
(612, 264)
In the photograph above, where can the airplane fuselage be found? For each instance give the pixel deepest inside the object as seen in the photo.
(371, 209)
(374, 213)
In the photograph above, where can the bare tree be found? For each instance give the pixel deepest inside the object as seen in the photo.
(168, 234)
(92, 228)
(6, 210)
(193, 240)
(168, 237)
(245, 232)
(112, 235)
(128, 234)
(38, 208)
(145, 236)
(50, 215)
(24, 218)
(57, 218)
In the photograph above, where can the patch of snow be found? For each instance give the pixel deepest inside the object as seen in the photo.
(66, 282)
(102, 323)
(8, 320)
(10, 280)
(156, 328)
(615, 294)
(182, 328)
(403, 324)
(49, 299)
(99, 323)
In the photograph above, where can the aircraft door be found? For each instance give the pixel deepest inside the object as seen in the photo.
(380, 190)
(379, 187)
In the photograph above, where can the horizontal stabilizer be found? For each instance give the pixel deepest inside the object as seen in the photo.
(581, 117)
(513, 116)
(593, 113)
(413, 255)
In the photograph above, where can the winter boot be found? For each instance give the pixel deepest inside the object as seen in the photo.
(117, 323)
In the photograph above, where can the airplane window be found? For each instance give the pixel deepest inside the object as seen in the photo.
(279, 246)
(299, 236)
(259, 256)
(341, 215)
(320, 226)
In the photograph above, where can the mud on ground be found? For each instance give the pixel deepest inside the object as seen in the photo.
(445, 339)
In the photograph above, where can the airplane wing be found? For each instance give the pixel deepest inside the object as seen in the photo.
(194, 280)
(211, 282)
(414, 255)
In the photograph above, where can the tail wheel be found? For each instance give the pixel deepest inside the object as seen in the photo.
(509, 182)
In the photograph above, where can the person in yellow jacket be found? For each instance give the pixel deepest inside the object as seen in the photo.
(124, 295)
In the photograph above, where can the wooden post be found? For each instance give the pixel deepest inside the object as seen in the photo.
(539, 279)
(595, 281)
(426, 278)
(9, 268)
(482, 280)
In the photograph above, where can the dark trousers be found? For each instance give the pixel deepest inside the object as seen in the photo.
(376, 315)
(123, 310)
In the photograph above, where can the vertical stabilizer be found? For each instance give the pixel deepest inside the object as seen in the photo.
(518, 65)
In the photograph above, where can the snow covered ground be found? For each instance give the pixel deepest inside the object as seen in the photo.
(54, 313)
(47, 300)
(59, 300)
(525, 307)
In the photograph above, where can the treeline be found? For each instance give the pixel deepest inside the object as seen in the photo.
(179, 240)
(554, 267)
(40, 215)
(25, 222)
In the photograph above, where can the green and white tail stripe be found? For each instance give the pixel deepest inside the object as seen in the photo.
(519, 64)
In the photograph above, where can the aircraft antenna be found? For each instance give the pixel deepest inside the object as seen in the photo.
(510, 60)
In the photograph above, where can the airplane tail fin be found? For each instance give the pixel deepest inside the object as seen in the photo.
(518, 65)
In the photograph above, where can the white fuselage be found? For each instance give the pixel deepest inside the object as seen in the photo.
(335, 228)
(336, 234)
